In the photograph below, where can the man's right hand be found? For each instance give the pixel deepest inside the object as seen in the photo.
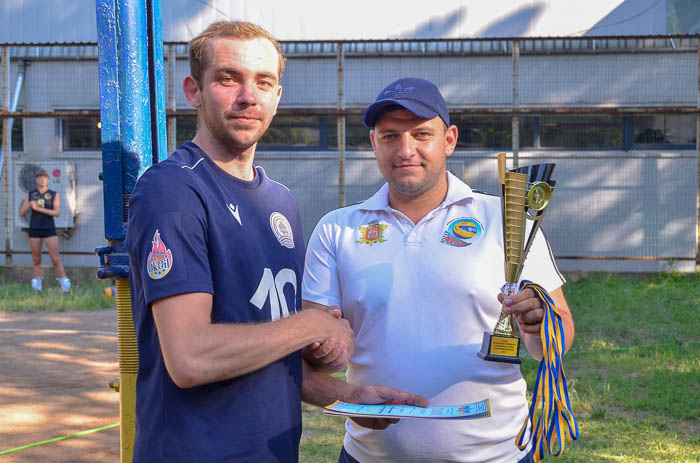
(333, 352)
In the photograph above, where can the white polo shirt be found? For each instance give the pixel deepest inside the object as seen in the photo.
(419, 298)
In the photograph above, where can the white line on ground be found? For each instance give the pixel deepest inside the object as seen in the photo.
(108, 333)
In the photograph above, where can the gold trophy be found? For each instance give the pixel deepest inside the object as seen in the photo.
(525, 193)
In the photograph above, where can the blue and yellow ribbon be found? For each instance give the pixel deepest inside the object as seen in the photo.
(550, 400)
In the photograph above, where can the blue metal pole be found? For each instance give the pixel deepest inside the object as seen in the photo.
(134, 91)
(155, 41)
(132, 105)
(111, 128)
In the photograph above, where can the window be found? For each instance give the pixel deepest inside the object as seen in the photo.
(186, 128)
(578, 132)
(665, 129)
(314, 133)
(583, 132)
(296, 132)
(356, 134)
(17, 134)
(488, 132)
(81, 134)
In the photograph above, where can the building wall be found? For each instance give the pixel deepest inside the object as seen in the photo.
(608, 203)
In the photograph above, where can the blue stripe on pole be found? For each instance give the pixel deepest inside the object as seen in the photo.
(158, 90)
(109, 109)
(132, 100)
(135, 108)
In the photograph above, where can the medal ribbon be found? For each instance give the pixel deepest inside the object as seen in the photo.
(550, 395)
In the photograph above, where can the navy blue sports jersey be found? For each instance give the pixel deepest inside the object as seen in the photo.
(39, 220)
(195, 228)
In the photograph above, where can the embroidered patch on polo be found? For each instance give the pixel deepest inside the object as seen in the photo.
(462, 232)
(372, 233)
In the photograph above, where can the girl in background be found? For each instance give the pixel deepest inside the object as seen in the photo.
(44, 205)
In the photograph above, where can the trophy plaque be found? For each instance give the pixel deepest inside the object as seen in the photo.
(525, 194)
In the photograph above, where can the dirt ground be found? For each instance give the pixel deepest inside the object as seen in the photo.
(54, 375)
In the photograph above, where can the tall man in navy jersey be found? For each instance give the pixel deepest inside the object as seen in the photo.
(217, 256)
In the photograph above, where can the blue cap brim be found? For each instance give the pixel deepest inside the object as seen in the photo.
(372, 113)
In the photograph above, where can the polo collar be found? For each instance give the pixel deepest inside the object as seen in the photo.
(457, 191)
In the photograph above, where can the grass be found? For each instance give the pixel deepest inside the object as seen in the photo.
(633, 374)
(633, 371)
(84, 295)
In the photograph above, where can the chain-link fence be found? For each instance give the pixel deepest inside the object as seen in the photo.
(619, 116)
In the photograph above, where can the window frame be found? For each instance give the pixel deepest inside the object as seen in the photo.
(64, 134)
(13, 139)
(634, 146)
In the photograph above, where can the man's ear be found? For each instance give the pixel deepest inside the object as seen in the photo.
(451, 135)
(192, 92)
(372, 134)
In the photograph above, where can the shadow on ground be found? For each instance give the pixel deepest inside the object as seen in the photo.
(55, 373)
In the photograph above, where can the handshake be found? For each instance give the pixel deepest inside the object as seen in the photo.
(334, 351)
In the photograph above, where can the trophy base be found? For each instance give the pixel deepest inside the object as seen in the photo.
(500, 348)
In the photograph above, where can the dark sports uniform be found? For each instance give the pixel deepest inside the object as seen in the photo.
(41, 225)
(195, 228)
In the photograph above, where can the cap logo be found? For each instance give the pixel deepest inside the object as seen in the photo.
(398, 91)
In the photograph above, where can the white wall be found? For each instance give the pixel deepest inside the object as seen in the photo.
(611, 203)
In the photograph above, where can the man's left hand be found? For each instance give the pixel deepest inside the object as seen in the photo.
(526, 309)
(383, 395)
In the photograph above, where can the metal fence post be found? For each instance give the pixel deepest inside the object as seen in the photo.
(341, 127)
(5, 65)
(172, 100)
(516, 118)
(132, 107)
(697, 152)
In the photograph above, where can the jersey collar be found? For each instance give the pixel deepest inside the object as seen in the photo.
(457, 191)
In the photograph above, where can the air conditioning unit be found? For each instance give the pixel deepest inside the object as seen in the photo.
(61, 180)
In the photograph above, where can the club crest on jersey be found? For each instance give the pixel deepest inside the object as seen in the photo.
(160, 260)
(371, 233)
(462, 232)
(282, 229)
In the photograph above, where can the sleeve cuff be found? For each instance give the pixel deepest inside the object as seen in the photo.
(319, 298)
(181, 287)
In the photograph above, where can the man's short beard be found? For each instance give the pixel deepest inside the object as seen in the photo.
(231, 142)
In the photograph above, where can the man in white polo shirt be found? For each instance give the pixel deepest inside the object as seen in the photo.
(417, 269)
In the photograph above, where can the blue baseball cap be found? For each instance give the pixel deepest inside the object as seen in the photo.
(419, 96)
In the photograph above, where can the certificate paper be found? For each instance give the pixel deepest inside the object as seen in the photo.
(480, 409)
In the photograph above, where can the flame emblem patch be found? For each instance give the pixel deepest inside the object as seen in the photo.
(160, 260)
(372, 233)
